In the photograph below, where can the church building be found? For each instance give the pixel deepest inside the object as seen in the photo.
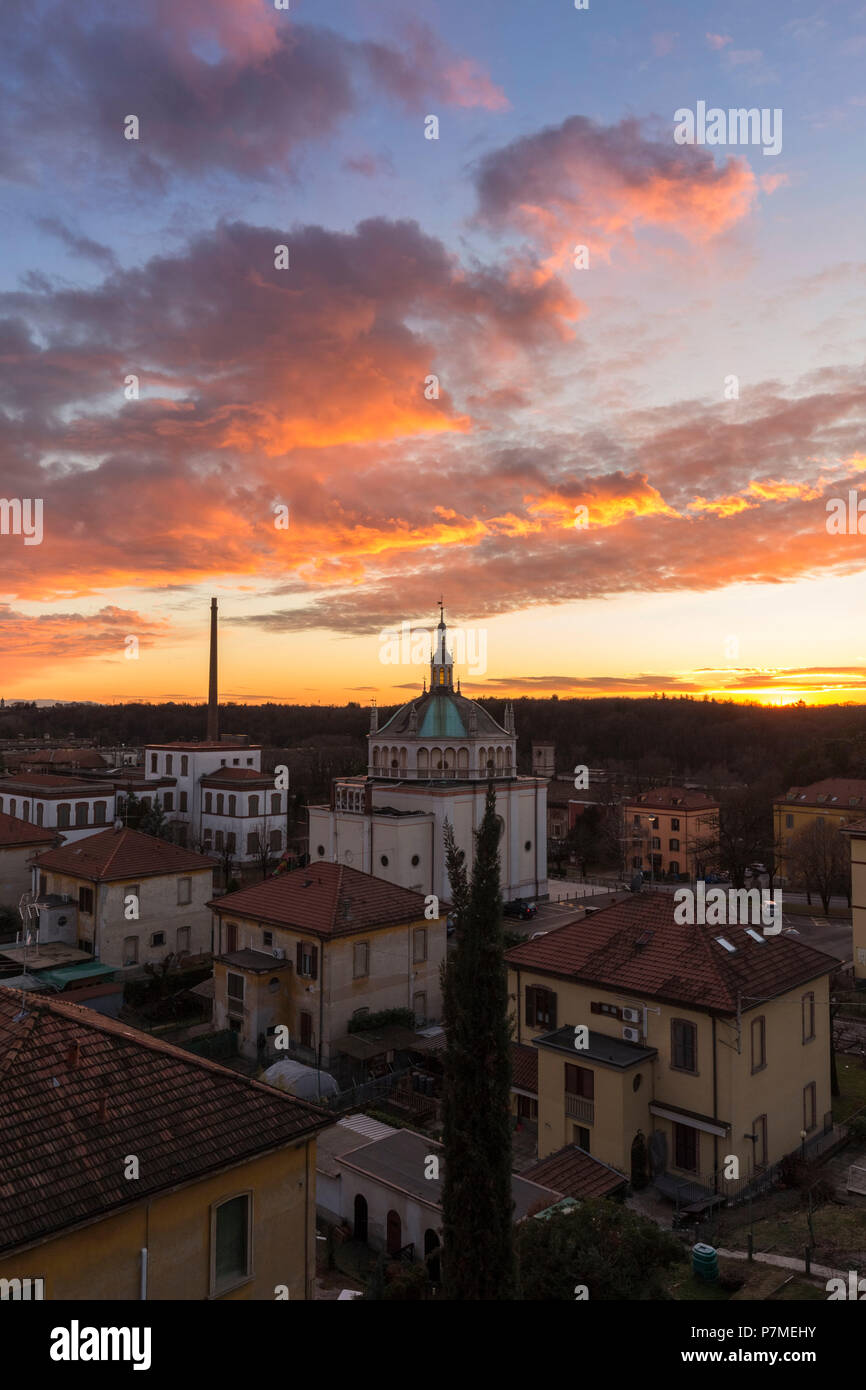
(431, 763)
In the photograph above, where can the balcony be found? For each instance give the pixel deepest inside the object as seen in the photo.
(579, 1109)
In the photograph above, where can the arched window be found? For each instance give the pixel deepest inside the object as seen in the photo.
(220, 803)
(275, 803)
(393, 1233)
(169, 763)
(208, 802)
(254, 805)
(81, 813)
(232, 805)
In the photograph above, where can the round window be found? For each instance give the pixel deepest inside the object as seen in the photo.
(61, 921)
(321, 849)
(384, 861)
(348, 856)
(416, 860)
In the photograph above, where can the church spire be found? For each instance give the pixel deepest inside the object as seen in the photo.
(441, 662)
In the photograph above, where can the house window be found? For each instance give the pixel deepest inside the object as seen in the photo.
(306, 1030)
(657, 844)
(249, 762)
(789, 822)
(540, 1007)
(686, 1149)
(233, 805)
(231, 842)
(581, 1137)
(275, 843)
(684, 1045)
(759, 1127)
(43, 885)
(307, 960)
(81, 813)
(235, 987)
(675, 824)
(231, 1243)
(208, 802)
(220, 803)
(182, 940)
(231, 937)
(184, 765)
(612, 1010)
(219, 840)
(361, 961)
(40, 811)
(268, 938)
(673, 844)
(808, 1003)
(527, 1108)
(158, 938)
(130, 950)
(809, 1107)
(759, 1043)
(252, 842)
(419, 945)
(85, 900)
(419, 1007)
(183, 800)
(153, 762)
(169, 763)
(579, 1081)
(275, 803)
(168, 801)
(254, 805)
(99, 810)
(184, 891)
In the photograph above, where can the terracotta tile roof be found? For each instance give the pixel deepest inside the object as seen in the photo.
(840, 793)
(235, 774)
(575, 1173)
(524, 1067)
(61, 757)
(14, 831)
(183, 1116)
(672, 798)
(324, 900)
(680, 964)
(49, 780)
(121, 854)
(226, 747)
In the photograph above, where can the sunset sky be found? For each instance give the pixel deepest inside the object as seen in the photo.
(705, 564)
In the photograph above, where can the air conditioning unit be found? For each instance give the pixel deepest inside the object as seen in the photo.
(279, 953)
(631, 1015)
(631, 1034)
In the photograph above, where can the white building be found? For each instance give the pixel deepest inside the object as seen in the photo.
(73, 806)
(217, 797)
(430, 763)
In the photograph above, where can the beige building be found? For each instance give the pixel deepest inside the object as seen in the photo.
(670, 832)
(856, 831)
(712, 1042)
(837, 800)
(139, 898)
(312, 949)
(19, 841)
(144, 1172)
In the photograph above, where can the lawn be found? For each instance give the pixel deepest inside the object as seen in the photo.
(852, 1084)
(840, 1233)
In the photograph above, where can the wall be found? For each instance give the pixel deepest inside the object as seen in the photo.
(15, 872)
(158, 910)
(102, 1261)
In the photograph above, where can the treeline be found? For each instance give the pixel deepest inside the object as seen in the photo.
(641, 740)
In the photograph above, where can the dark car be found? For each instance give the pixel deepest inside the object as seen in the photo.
(520, 908)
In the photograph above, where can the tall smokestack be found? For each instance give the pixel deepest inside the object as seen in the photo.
(213, 710)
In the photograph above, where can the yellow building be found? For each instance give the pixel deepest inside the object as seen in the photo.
(697, 1037)
(856, 831)
(309, 950)
(134, 1170)
(837, 800)
(670, 832)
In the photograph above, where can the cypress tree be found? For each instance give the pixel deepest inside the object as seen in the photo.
(477, 1230)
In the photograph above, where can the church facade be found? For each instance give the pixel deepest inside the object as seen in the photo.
(431, 763)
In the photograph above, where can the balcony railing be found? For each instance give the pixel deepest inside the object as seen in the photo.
(580, 1109)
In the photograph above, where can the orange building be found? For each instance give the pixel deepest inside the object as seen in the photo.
(666, 831)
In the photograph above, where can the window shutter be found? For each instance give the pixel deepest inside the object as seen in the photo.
(300, 958)
(315, 965)
(552, 1010)
(530, 1003)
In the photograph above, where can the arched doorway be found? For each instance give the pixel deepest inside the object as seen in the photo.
(393, 1233)
(431, 1244)
(361, 1218)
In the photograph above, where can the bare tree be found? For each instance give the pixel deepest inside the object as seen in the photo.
(818, 861)
(261, 848)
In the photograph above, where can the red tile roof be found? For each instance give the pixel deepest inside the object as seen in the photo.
(14, 831)
(121, 854)
(226, 747)
(235, 774)
(575, 1173)
(47, 780)
(183, 1116)
(677, 963)
(325, 900)
(837, 792)
(60, 757)
(672, 798)
(524, 1067)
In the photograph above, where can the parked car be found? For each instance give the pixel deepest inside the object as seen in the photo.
(521, 908)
